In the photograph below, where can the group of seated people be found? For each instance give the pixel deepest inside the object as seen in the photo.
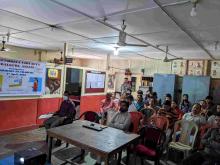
(203, 113)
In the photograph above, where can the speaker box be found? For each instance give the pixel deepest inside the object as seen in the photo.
(30, 156)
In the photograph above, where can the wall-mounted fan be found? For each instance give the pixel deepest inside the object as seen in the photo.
(170, 60)
(122, 38)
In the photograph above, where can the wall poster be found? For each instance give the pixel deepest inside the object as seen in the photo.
(196, 68)
(179, 67)
(95, 82)
(21, 77)
(111, 81)
(53, 81)
(215, 69)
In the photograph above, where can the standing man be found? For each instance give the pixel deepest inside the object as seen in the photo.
(125, 87)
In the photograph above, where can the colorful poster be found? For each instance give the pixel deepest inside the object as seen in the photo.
(21, 78)
(111, 82)
(179, 67)
(215, 69)
(53, 81)
(196, 68)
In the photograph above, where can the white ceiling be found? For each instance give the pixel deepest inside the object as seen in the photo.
(29, 21)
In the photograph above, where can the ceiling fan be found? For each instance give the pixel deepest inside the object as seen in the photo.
(170, 60)
(4, 49)
(122, 38)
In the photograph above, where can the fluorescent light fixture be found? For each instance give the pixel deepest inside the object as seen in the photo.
(193, 12)
(116, 51)
(21, 160)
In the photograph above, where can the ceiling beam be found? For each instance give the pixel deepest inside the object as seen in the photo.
(183, 29)
(108, 25)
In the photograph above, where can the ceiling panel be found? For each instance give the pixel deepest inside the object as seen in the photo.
(17, 22)
(42, 10)
(57, 34)
(207, 10)
(144, 22)
(91, 29)
(166, 38)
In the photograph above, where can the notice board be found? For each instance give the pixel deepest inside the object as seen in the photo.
(95, 82)
(21, 78)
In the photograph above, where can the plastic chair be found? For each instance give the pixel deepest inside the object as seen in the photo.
(161, 122)
(186, 140)
(152, 144)
(135, 120)
(90, 116)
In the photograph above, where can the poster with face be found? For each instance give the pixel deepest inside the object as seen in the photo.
(196, 68)
(215, 69)
(53, 81)
(111, 82)
(179, 67)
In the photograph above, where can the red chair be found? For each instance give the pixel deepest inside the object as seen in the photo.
(135, 120)
(202, 130)
(151, 147)
(90, 116)
(161, 122)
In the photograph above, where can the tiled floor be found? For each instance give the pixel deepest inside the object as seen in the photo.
(36, 138)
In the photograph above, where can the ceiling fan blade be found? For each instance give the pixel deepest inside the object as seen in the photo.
(137, 45)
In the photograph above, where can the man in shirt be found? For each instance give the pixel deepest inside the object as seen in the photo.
(211, 107)
(125, 87)
(195, 115)
(122, 119)
(66, 112)
(211, 154)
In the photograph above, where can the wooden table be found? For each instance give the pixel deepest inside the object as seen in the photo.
(104, 143)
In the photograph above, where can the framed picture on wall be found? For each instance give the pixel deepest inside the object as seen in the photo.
(215, 69)
(53, 81)
(95, 82)
(179, 67)
(111, 82)
(196, 68)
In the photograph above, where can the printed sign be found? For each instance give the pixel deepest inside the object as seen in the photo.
(21, 78)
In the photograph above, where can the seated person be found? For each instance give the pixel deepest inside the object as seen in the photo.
(107, 104)
(211, 119)
(211, 154)
(177, 110)
(211, 107)
(130, 100)
(139, 104)
(169, 112)
(66, 112)
(195, 115)
(152, 104)
(122, 119)
(147, 114)
(168, 97)
(204, 110)
(185, 105)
